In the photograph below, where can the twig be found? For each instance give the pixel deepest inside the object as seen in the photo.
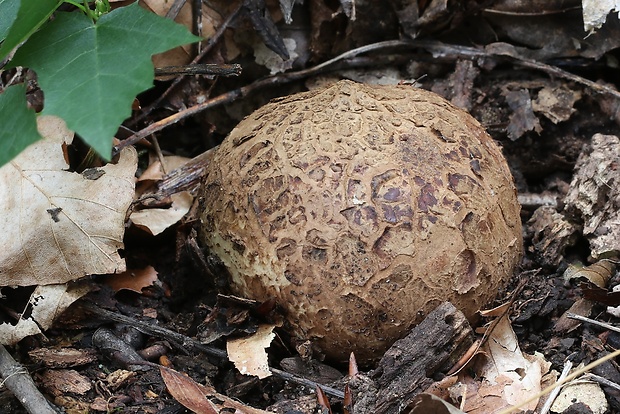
(592, 321)
(200, 69)
(17, 380)
(553, 395)
(191, 343)
(601, 380)
(246, 90)
(159, 154)
(187, 177)
(303, 381)
(207, 48)
(438, 49)
(151, 329)
(174, 10)
(533, 200)
(197, 22)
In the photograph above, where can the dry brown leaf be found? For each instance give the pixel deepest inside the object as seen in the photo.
(187, 392)
(428, 403)
(182, 55)
(155, 172)
(248, 354)
(522, 118)
(598, 273)
(179, 384)
(156, 220)
(323, 401)
(58, 225)
(47, 303)
(133, 279)
(50, 301)
(556, 103)
(507, 375)
(12, 334)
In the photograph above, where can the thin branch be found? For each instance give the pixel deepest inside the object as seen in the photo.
(151, 329)
(438, 49)
(17, 380)
(211, 69)
(207, 48)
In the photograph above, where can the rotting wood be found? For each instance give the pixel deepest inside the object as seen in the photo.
(430, 348)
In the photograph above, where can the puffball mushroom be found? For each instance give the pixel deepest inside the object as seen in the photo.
(360, 208)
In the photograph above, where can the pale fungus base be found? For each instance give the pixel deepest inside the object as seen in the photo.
(361, 208)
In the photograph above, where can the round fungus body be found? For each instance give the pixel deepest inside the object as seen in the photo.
(361, 208)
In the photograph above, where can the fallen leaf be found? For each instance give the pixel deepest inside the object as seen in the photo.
(57, 224)
(598, 273)
(47, 303)
(12, 334)
(187, 392)
(595, 12)
(271, 60)
(248, 354)
(50, 301)
(132, 279)
(155, 172)
(564, 324)
(323, 401)
(556, 103)
(507, 376)
(156, 220)
(522, 118)
(428, 403)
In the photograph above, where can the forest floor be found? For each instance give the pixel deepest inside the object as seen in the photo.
(543, 89)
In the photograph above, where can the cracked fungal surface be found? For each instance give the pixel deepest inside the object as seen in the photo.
(360, 208)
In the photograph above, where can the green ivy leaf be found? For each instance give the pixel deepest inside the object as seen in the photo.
(20, 19)
(19, 123)
(90, 73)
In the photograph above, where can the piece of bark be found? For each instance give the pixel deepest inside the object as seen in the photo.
(63, 357)
(58, 382)
(409, 366)
(551, 234)
(594, 194)
(187, 177)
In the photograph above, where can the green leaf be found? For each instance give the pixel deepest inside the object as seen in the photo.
(19, 123)
(8, 13)
(20, 19)
(90, 73)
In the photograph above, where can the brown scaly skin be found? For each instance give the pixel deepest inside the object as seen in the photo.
(361, 208)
